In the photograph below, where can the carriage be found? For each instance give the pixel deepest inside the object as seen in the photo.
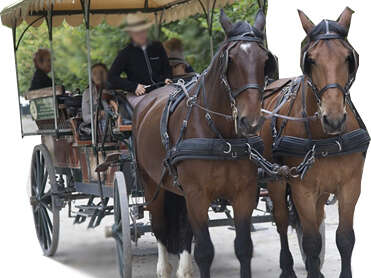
(99, 169)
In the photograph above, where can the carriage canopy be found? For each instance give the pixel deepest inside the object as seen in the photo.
(111, 11)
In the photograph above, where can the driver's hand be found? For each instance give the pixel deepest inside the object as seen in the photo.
(101, 114)
(140, 90)
(168, 81)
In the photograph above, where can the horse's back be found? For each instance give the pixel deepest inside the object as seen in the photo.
(146, 126)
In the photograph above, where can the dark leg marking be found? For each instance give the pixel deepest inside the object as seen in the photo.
(345, 241)
(204, 251)
(243, 247)
(312, 245)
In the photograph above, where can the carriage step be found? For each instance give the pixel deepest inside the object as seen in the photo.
(87, 211)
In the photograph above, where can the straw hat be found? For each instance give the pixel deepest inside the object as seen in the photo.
(137, 22)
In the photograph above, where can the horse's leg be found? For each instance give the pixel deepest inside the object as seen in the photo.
(306, 204)
(197, 207)
(163, 267)
(185, 267)
(159, 225)
(243, 207)
(345, 239)
(277, 192)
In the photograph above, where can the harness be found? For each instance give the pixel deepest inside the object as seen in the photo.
(352, 142)
(218, 148)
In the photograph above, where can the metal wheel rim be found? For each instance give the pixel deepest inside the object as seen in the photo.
(45, 213)
(121, 227)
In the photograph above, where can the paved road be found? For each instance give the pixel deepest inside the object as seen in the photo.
(89, 252)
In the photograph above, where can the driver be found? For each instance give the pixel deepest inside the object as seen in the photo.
(143, 61)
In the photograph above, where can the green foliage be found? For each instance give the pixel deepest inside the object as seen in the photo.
(69, 44)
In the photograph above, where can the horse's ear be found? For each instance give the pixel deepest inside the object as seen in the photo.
(307, 24)
(260, 20)
(225, 21)
(345, 18)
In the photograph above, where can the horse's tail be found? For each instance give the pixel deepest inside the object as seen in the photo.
(179, 232)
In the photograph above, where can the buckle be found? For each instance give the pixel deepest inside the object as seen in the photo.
(229, 148)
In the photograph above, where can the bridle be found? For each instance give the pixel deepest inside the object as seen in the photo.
(328, 30)
(253, 35)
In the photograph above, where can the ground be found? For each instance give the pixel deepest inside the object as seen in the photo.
(89, 252)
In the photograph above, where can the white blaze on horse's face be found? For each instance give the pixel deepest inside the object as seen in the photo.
(245, 47)
(247, 68)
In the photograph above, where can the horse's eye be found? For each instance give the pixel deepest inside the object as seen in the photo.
(310, 61)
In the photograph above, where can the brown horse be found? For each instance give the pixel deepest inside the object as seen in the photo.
(179, 212)
(330, 64)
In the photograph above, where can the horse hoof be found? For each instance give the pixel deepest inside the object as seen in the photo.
(320, 276)
(288, 274)
(164, 271)
(184, 275)
(348, 275)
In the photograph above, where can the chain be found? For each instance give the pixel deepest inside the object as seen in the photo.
(276, 170)
(303, 167)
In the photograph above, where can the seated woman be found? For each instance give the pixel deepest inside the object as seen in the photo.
(42, 61)
(99, 79)
(180, 68)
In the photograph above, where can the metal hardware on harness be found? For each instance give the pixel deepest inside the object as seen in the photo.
(229, 148)
(303, 167)
(234, 117)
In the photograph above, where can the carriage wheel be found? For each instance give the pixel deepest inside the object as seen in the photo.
(45, 211)
(121, 228)
(322, 230)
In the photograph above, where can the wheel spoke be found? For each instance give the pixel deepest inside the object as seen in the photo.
(34, 179)
(119, 249)
(41, 230)
(41, 174)
(38, 178)
(47, 217)
(46, 230)
(46, 195)
(47, 206)
(37, 219)
(44, 180)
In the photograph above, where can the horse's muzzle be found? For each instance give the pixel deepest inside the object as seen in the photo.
(334, 125)
(250, 127)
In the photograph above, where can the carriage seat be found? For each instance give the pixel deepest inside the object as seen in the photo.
(80, 139)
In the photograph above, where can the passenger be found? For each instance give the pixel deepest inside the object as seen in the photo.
(42, 61)
(99, 79)
(143, 61)
(180, 68)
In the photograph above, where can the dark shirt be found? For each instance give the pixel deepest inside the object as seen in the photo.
(145, 67)
(40, 80)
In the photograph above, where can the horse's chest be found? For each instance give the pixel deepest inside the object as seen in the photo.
(218, 176)
(328, 174)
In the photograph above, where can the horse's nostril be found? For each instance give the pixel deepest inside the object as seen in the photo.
(325, 120)
(335, 123)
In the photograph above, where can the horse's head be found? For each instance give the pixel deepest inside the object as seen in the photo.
(330, 63)
(245, 64)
